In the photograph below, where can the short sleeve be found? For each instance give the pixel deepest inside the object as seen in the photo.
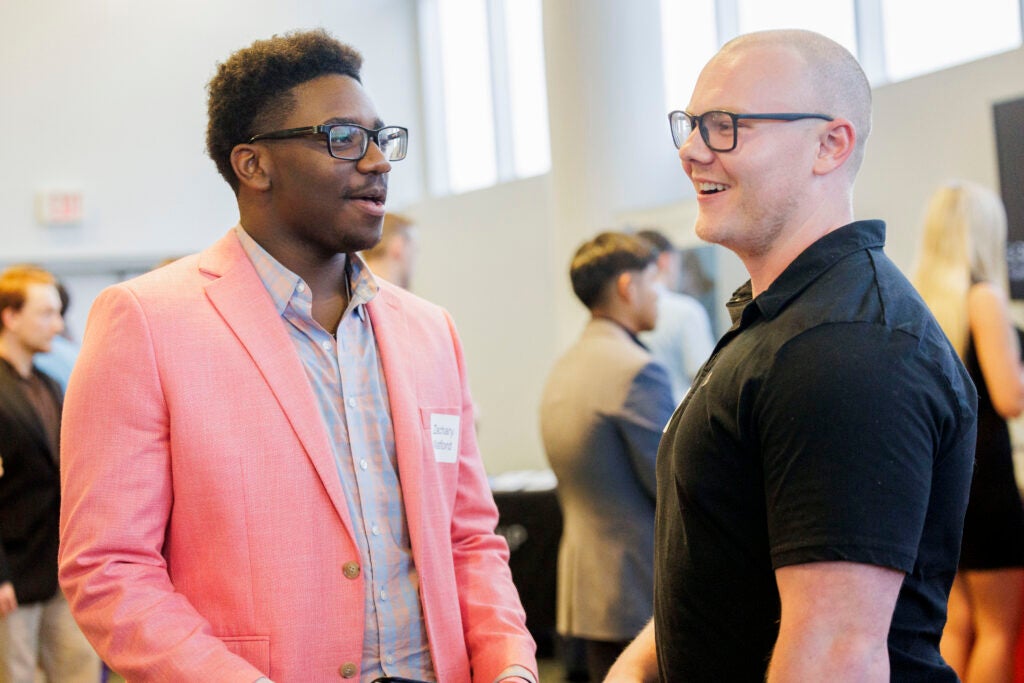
(851, 418)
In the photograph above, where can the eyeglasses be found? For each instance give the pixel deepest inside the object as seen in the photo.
(718, 128)
(349, 141)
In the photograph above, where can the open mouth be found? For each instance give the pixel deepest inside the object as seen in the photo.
(710, 188)
(372, 196)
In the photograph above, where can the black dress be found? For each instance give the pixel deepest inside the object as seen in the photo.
(994, 525)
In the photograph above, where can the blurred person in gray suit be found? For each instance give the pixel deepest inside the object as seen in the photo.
(681, 341)
(602, 413)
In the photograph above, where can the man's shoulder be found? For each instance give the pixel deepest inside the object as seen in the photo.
(409, 304)
(605, 349)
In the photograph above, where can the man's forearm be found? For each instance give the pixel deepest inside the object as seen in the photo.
(638, 663)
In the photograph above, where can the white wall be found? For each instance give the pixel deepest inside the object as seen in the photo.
(108, 96)
(928, 130)
(485, 257)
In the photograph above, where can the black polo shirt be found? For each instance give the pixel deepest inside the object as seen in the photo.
(833, 422)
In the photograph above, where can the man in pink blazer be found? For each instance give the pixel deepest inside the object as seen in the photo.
(269, 466)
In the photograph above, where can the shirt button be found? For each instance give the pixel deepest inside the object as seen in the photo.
(301, 287)
(390, 659)
(326, 344)
(351, 570)
(348, 670)
(363, 464)
(375, 530)
(351, 403)
(384, 595)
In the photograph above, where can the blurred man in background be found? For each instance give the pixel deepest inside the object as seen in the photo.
(681, 341)
(602, 412)
(36, 628)
(394, 257)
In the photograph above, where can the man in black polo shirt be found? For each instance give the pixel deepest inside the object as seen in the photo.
(812, 485)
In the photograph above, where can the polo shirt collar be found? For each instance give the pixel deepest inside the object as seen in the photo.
(811, 264)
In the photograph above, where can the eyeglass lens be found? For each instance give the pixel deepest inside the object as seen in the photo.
(717, 128)
(351, 142)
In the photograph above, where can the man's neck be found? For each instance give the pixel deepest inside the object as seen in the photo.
(765, 268)
(616, 317)
(15, 354)
(326, 275)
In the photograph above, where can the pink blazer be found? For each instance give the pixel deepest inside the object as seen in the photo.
(204, 533)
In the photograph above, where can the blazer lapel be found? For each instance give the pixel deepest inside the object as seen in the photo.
(390, 329)
(240, 297)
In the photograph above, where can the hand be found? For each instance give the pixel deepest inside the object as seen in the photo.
(8, 601)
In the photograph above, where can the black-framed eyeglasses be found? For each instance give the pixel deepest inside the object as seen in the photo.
(349, 141)
(718, 128)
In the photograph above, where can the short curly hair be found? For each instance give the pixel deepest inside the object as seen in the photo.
(599, 261)
(252, 89)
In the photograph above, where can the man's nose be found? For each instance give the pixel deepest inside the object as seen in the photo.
(694, 148)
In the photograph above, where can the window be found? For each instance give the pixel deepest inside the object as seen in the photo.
(832, 18)
(920, 39)
(485, 92)
(688, 40)
(468, 106)
(531, 142)
(892, 39)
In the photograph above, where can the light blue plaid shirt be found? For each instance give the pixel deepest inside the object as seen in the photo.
(348, 382)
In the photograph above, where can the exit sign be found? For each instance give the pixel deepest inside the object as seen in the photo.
(59, 207)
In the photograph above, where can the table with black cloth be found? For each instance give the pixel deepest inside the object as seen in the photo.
(531, 522)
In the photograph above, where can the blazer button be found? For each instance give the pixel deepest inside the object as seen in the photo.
(351, 570)
(348, 670)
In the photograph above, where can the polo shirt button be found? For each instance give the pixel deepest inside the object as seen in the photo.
(348, 670)
(351, 570)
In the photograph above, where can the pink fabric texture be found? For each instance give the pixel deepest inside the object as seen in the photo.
(204, 533)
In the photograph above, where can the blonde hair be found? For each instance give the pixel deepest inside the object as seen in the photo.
(14, 284)
(963, 242)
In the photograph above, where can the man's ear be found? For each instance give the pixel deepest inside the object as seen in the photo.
(624, 286)
(7, 317)
(252, 166)
(835, 146)
(664, 260)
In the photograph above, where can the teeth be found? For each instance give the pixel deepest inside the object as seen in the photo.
(711, 187)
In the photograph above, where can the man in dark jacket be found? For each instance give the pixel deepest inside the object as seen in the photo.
(36, 628)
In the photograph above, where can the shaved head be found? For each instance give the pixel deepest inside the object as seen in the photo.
(835, 83)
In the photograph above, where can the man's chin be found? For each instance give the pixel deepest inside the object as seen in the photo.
(364, 237)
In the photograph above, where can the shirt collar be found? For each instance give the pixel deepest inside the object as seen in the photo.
(811, 264)
(630, 333)
(284, 285)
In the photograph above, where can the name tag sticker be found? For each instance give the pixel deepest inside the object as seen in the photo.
(444, 435)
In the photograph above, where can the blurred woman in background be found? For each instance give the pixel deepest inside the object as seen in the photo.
(961, 274)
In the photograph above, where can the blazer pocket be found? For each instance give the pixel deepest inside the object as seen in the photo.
(253, 649)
